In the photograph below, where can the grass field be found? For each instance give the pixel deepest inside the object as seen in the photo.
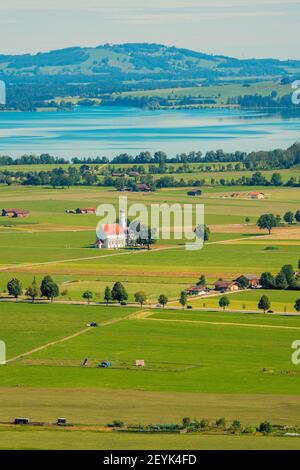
(93, 440)
(198, 363)
(220, 93)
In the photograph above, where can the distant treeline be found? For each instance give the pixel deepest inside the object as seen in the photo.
(256, 101)
(84, 176)
(260, 160)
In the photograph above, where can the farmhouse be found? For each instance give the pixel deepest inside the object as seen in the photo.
(252, 280)
(86, 210)
(15, 213)
(257, 195)
(196, 290)
(134, 173)
(142, 187)
(230, 286)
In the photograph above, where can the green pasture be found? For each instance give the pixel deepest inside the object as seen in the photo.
(43, 439)
(219, 92)
(225, 353)
(28, 326)
(248, 300)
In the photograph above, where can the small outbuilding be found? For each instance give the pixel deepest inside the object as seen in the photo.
(15, 213)
(198, 192)
(143, 187)
(86, 210)
(257, 195)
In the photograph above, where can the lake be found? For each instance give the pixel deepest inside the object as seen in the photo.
(108, 131)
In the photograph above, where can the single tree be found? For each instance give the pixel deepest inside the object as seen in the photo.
(33, 290)
(242, 282)
(202, 281)
(264, 303)
(183, 299)
(140, 297)
(119, 292)
(206, 233)
(267, 221)
(288, 217)
(247, 220)
(297, 305)
(281, 281)
(288, 271)
(236, 426)
(163, 300)
(297, 217)
(49, 288)
(14, 287)
(224, 302)
(107, 294)
(87, 295)
(267, 281)
(276, 179)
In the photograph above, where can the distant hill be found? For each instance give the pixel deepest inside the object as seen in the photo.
(126, 75)
(139, 62)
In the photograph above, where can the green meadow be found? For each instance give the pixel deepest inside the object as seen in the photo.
(199, 363)
(92, 440)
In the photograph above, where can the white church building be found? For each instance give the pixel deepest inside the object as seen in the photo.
(112, 236)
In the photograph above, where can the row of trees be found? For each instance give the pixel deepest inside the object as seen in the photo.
(286, 279)
(72, 176)
(260, 160)
(119, 293)
(48, 289)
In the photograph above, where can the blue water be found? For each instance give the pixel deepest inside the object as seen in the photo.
(108, 131)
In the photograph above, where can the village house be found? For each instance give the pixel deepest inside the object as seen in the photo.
(226, 286)
(252, 279)
(118, 175)
(15, 213)
(134, 173)
(86, 210)
(196, 290)
(143, 187)
(257, 195)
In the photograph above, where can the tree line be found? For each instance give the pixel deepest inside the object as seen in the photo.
(259, 160)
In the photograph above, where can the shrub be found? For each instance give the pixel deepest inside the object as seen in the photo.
(221, 423)
(236, 426)
(250, 430)
(265, 427)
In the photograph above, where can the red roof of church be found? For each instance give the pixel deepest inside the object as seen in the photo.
(112, 229)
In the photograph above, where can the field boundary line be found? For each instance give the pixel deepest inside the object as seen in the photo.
(254, 325)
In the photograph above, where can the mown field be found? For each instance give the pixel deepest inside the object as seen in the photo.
(200, 364)
(220, 93)
(53, 242)
(93, 440)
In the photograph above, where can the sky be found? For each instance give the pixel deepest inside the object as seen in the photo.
(239, 28)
